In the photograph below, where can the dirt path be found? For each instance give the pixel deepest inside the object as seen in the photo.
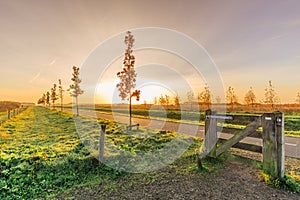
(234, 181)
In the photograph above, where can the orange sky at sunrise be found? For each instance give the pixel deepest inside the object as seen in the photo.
(250, 43)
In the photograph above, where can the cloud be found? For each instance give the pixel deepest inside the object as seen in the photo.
(53, 62)
(293, 23)
(35, 77)
(275, 37)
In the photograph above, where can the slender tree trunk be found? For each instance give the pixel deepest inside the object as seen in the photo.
(130, 120)
(77, 106)
(61, 104)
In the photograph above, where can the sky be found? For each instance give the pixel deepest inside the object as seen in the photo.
(248, 43)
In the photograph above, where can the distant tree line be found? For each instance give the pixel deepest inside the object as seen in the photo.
(205, 98)
(8, 105)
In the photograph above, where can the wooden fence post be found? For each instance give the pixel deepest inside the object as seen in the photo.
(273, 144)
(8, 114)
(279, 132)
(102, 138)
(211, 136)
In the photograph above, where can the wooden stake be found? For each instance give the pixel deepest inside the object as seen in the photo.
(211, 136)
(102, 138)
(273, 144)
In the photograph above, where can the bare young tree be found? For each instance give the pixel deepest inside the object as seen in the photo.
(167, 98)
(155, 101)
(218, 99)
(162, 100)
(54, 96)
(231, 96)
(128, 76)
(74, 88)
(250, 97)
(42, 100)
(271, 97)
(190, 98)
(48, 99)
(60, 90)
(298, 97)
(176, 101)
(205, 98)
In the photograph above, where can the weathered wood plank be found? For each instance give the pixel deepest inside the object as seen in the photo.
(236, 138)
(279, 132)
(211, 136)
(245, 146)
(255, 134)
(273, 144)
(227, 117)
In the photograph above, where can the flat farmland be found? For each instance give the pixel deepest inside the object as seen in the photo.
(43, 156)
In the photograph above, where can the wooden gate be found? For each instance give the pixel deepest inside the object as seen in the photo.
(272, 136)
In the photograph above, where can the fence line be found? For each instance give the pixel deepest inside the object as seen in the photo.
(12, 113)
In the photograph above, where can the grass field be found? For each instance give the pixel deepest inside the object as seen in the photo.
(41, 153)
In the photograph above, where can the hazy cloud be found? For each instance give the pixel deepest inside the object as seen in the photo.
(35, 77)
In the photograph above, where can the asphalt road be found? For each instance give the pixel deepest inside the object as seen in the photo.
(292, 144)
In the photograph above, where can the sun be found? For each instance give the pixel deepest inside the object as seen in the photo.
(107, 93)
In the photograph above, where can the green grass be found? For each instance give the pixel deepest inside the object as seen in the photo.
(158, 114)
(41, 153)
(292, 124)
(3, 116)
(285, 183)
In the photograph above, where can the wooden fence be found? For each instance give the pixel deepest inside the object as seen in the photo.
(272, 136)
(11, 114)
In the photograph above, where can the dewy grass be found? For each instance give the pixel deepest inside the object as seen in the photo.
(285, 183)
(41, 153)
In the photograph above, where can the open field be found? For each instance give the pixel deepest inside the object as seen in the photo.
(41, 154)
